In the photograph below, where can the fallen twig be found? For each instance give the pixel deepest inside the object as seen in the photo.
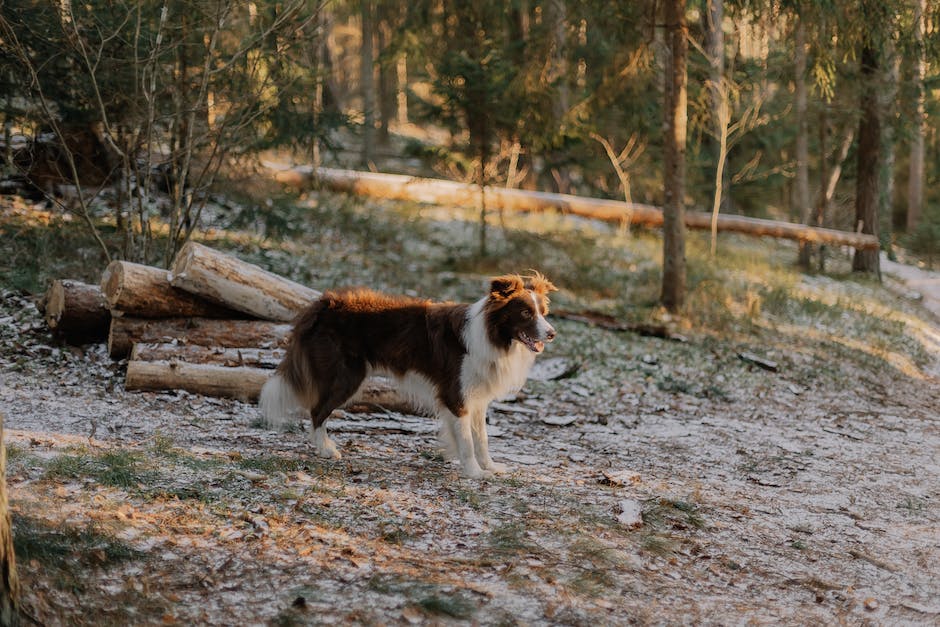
(606, 321)
(873, 560)
(758, 361)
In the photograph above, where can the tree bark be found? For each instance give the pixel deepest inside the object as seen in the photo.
(207, 379)
(77, 312)
(556, 15)
(915, 184)
(241, 383)
(888, 109)
(672, 295)
(367, 83)
(713, 17)
(435, 191)
(9, 583)
(387, 78)
(125, 332)
(801, 196)
(869, 160)
(268, 358)
(144, 291)
(237, 284)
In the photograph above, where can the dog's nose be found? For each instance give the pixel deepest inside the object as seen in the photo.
(550, 334)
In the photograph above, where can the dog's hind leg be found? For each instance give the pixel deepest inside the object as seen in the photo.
(346, 379)
(447, 440)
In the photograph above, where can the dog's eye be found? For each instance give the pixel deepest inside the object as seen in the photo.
(526, 314)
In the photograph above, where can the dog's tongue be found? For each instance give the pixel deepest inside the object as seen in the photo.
(535, 346)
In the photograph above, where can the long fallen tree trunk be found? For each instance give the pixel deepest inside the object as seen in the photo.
(267, 358)
(237, 284)
(243, 383)
(144, 291)
(125, 332)
(438, 191)
(76, 312)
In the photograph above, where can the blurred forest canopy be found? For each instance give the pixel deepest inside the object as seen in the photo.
(555, 95)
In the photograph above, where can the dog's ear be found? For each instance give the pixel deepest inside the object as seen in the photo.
(505, 286)
(539, 284)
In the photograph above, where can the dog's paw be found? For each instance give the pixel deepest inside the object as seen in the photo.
(497, 468)
(475, 472)
(328, 451)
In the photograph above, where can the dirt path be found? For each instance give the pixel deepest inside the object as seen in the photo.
(926, 283)
(807, 496)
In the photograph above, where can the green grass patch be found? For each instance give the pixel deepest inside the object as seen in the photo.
(453, 605)
(48, 543)
(270, 464)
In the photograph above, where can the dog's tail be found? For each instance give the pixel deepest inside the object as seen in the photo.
(292, 391)
(279, 403)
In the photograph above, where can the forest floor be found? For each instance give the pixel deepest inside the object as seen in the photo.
(808, 495)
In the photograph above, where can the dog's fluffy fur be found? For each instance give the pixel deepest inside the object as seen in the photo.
(450, 359)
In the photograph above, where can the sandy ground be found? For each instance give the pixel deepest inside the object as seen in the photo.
(804, 496)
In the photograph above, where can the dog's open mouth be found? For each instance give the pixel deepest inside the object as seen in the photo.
(536, 346)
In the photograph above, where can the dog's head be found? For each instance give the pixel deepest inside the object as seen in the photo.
(515, 311)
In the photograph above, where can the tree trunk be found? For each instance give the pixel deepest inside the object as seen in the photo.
(77, 312)
(440, 192)
(673, 285)
(401, 99)
(888, 108)
(242, 383)
(237, 284)
(915, 185)
(387, 76)
(195, 354)
(367, 83)
(557, 17)
(801, 196)
(822, 206)
(125, 332)
(712, 18)
(145, 292)
(869, 160)
(208, 379)
(9, 583)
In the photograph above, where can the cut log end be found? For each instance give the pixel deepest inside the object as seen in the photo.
(76, 312)
(54, 301)
(112, 282)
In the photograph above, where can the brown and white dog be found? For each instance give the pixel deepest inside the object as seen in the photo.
(449, 359)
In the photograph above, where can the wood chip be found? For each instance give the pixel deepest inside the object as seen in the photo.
(874, 561)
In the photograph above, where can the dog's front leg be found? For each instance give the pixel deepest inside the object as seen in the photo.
(481, 446)
(461, 428)
(323, 444)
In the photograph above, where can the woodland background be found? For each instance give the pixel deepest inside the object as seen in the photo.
(818, 112)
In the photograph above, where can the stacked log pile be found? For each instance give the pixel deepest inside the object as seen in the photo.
(213, 324)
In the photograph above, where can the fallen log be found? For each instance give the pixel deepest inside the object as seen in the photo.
(144, 291)
(243, 383)
(237, 284)
(606, 321)
(76, 312)
(125, 332)
(267, 358)
(436, 191)
(208, 379)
